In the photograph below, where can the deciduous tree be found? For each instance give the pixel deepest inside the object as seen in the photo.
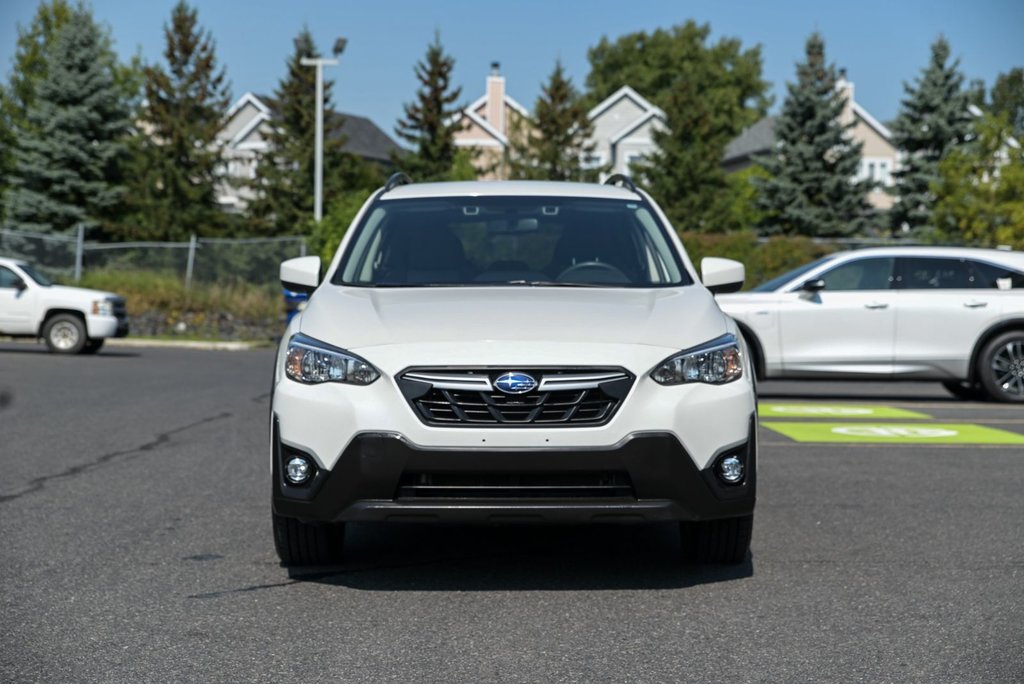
(980, 188)
(709, 93)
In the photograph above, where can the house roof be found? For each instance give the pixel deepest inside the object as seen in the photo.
(509, 102)
(627, 92)
(363, 138)
(753, 140)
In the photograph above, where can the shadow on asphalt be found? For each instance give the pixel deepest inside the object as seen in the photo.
(30, 349)
(393, 557)
(851, 397)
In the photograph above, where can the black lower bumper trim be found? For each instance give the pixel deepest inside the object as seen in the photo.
(365, 484)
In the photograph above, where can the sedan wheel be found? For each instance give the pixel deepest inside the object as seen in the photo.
(1001, 367)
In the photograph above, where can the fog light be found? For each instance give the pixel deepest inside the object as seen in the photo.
(298, 470)
(731, 469)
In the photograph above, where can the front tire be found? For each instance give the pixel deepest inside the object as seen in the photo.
(64, 334)
(300, 543)
(717, 541)
(1001, 367)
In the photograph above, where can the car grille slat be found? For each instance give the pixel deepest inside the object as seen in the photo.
(576, 397)
(589, 485)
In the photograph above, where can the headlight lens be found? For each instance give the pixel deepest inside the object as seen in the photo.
(102, 307)
(313, 362)
(715, 363)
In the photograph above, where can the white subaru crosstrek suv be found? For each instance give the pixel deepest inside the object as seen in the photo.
(952, 314)
(512, 352)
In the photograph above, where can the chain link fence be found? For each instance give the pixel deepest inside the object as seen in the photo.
(207, 260)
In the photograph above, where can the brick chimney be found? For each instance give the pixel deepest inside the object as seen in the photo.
(495, 110)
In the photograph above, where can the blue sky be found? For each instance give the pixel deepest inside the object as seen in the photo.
(882, 44)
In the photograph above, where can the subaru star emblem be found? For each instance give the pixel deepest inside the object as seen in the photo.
(515, 383)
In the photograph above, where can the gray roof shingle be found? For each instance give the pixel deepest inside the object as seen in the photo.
(756, 139)
(363, 138)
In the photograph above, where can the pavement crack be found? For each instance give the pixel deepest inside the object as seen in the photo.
(161, 439)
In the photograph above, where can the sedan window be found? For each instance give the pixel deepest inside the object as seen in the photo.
(989, 276)
(925, 273)
(860, 274)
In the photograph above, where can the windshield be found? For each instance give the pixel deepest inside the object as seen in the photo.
(525, 241)
(35, 275)
(778, 281)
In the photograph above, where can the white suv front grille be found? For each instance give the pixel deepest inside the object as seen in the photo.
(467, 397)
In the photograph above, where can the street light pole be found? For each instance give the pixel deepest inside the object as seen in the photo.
(318, 158)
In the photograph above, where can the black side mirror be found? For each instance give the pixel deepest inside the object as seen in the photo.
(815, 285)
(19, 285)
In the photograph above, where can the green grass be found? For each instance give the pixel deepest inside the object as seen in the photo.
(147, 291)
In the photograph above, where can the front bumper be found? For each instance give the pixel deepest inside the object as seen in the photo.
(99, 327)
(365, 482)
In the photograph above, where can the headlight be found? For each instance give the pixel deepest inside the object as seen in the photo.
(102, 307)
(716, 363)
(312, 362)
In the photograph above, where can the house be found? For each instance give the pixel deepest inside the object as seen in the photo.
(488, 123)
(245, 136)
(624, 123)
(879, 156)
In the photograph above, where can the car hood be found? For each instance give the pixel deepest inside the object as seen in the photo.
(355, 318)
(78, 294)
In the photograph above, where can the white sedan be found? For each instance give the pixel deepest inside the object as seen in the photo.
(950, 314)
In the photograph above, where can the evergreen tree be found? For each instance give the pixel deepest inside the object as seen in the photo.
(555, 146)
(1008, 99)
(175, 161)
(284, 175)
(429, 123)
(66, 161)
(709, 93)
(932, 120)
(810, 189)
(29, 67)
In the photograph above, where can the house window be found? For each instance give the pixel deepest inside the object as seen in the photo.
(592, 161)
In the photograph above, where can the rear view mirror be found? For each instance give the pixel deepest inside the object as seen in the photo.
(301, 274)
(19, 285)
(813, 285)
(722, 275)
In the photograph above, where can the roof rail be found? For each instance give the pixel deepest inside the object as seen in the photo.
(395, 180)
(623, 180)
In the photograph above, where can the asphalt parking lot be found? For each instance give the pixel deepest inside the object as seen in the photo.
(136, 546)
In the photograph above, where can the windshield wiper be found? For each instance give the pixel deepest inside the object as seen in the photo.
(550, 283)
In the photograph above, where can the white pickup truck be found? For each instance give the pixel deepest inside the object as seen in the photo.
(71, 320)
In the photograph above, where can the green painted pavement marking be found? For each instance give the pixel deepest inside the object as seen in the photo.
(774, 410)
(893, 433)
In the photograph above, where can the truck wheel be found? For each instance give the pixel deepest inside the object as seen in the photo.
(92, 346)
(1001, 367)
(300, 543)
(64, 334)
(717, 541)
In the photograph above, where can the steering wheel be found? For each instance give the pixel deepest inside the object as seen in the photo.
(600, 265)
